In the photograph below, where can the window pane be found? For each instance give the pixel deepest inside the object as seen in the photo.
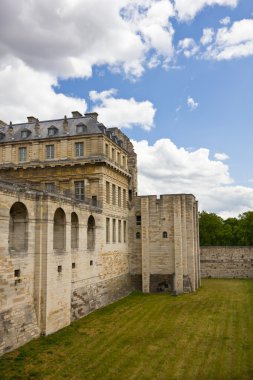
(50, 186)
(107, 192)
(114, 230)
(113, 194)
(79, 149)
(49, 151)
(119, 231)
(125, 231)
(79, 190)
(22, 154)
(119, 196)
(107, 230)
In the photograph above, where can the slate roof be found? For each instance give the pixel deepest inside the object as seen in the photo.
(91, 126)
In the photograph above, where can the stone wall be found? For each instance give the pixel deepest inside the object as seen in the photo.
(163, 243)
(88, 298)
(47, 282)
(226, 262)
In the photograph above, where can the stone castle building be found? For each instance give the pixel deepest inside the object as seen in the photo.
(75, 235)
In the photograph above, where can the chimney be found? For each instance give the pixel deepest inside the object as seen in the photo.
(31, 119)
(76, 114)
(94, 115)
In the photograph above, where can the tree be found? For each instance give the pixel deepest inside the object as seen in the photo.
(210, 229)
(213, 230)
(246, 228)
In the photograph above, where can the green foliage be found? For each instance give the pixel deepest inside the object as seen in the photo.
(213, 230)
(206, 335)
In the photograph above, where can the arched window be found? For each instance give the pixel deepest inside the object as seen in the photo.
(59, 242)
(91, 233)
(74, 231)
(18, 229)
(138, 235)
(165, 234)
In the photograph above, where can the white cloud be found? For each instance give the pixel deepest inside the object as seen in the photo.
(191, 103)
(68, 38)
(25, 92)
(41, 41)
(122, 113)
(221, 156)
(188, 46)
(207, 36)
(225, 20)
(164, 168)
(233, 42)
(187, 9)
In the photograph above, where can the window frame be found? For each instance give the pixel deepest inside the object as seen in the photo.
(50, 187)
(22, 157)
(79, 190)
(50, 152)
(79, 149)
(52, 131)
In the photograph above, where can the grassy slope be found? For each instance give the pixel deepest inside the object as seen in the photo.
(207, 335)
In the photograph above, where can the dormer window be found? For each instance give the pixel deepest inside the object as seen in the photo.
(25, 133)
(2, 135)
(52, 131)
(81, 128)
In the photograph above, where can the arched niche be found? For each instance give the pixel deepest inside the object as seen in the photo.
(91, 228)
(18, 228)
(74, 231)
(59, 238)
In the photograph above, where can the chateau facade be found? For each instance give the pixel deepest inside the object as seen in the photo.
(75, 235)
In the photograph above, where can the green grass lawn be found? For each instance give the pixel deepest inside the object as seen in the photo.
(206, 335)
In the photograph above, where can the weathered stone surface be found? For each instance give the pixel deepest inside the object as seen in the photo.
(226, 262)
(91, 297)
(136, 282)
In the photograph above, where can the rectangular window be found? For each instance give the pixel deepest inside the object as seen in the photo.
(79, 149)
(49, 152)
(107, 192)
(118, 158)
(107, 230)
(50, 186)
(124, 162)
(119, 196)
(94, 200)
(138, 220)
(119, 231)
(113, 154)
(22, 154)
(125, 231)
(124, 198)
(114, 230)
(107, 150)
(79, 190)
(113, 194)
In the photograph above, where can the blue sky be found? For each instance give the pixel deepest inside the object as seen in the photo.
(176, 76)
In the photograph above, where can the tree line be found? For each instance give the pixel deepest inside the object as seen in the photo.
(214, 230)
